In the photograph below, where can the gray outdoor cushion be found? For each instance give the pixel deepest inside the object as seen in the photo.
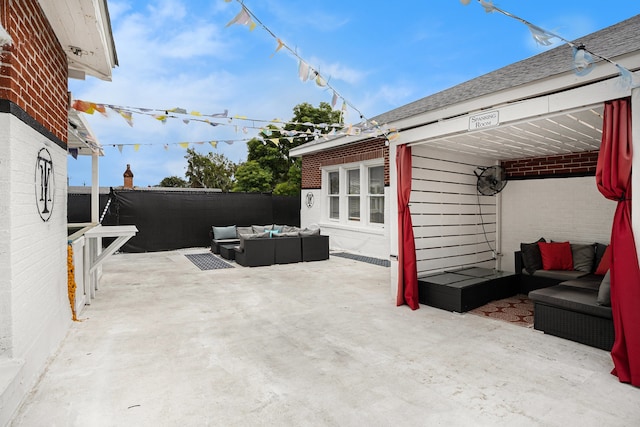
(309, 232)
(289, 228)
(228, 232)
(583, 256)
(575, 299)
(590, 281)
(560, 274)
(244, 230)
(262, 228)
(287, 234)
(604, 291)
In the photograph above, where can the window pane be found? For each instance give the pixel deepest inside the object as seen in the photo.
(334, 207)
(334, 183)
(354, 208)
(353, 177)
(376, 210)
(376, 180)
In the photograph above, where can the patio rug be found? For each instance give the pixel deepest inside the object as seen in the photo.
(367, 259)
(207, 261)
(517, 310)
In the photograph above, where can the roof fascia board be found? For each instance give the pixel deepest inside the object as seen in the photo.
(554, 84)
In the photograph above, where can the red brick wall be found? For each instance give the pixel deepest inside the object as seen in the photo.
(351, 153)
(574, 164)
(33, 74)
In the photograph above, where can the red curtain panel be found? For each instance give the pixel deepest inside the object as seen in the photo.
(613, 177)
(407, 269)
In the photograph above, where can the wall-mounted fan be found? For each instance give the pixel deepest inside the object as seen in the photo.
(491, 180)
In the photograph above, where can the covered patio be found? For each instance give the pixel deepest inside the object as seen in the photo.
(307, 344)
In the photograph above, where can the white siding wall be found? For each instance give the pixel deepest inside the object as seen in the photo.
(33, 261)
(560, 209)
(447, 213)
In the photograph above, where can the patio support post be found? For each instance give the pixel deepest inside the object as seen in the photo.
(95, 189)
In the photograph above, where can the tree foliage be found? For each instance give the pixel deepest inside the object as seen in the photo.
(252, 178)
(274, 157)
(210, 170)
(174, 181)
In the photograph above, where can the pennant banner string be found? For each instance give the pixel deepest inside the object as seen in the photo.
(582, 57)
(305, 71)
(275, 125)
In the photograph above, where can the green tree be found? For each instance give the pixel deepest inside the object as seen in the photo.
(252, 178)
(271, 152)
(173, 181)
(210, 170)
(290, 187)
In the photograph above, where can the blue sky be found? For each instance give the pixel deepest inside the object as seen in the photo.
(378, 55)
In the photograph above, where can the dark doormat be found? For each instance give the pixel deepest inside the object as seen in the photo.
(367, 259)
(517, 310)
(207, 261)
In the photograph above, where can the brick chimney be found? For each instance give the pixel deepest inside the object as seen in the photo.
(128, 178)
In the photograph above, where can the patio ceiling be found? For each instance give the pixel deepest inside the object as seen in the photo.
(570, 132)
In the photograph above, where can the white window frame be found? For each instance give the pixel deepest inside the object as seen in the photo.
(365, 197)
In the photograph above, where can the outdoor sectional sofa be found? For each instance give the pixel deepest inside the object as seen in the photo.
(571, 302)
(262, 245)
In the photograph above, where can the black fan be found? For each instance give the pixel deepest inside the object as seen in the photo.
(491, 180)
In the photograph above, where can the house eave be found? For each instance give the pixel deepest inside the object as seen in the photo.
(83, 28)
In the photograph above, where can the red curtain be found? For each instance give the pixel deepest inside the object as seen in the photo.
(613, 177)
(407, 269)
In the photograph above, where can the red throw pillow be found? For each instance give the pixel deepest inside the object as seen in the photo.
(556, 255)
(605, 262)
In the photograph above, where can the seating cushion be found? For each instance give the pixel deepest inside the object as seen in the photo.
(228, 232)
(570, 298)
(590, 281)
(603, 266)
(262, 228)
(561, 275)
(604, 291)
(531, 258)
(244, 230)
(583, 256)
(556, 255)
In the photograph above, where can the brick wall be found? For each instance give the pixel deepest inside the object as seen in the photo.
(574, 164)
(312, 164)
(33, 71)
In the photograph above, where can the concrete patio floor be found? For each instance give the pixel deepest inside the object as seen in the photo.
(322, 343)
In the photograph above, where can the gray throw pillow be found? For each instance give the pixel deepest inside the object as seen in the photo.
(245, 237)
(244, 230)
(220, 233)
(583, 256)
(289, 229)
(307, 232)
(604, 293)
(531, 257)
(262, 228)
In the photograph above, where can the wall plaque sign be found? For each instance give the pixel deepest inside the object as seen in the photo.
(44, 184)
(309, 200)
(484, 120)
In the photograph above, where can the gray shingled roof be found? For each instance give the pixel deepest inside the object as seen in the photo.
(611, 42)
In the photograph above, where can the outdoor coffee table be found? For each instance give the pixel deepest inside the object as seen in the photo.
(466, 289)
(228, 252)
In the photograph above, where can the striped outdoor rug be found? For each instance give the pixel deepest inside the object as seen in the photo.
(208, 261)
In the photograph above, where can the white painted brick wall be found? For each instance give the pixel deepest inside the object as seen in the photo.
(34, 255)
(5, 253)
(374, 243)
(560, 209)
